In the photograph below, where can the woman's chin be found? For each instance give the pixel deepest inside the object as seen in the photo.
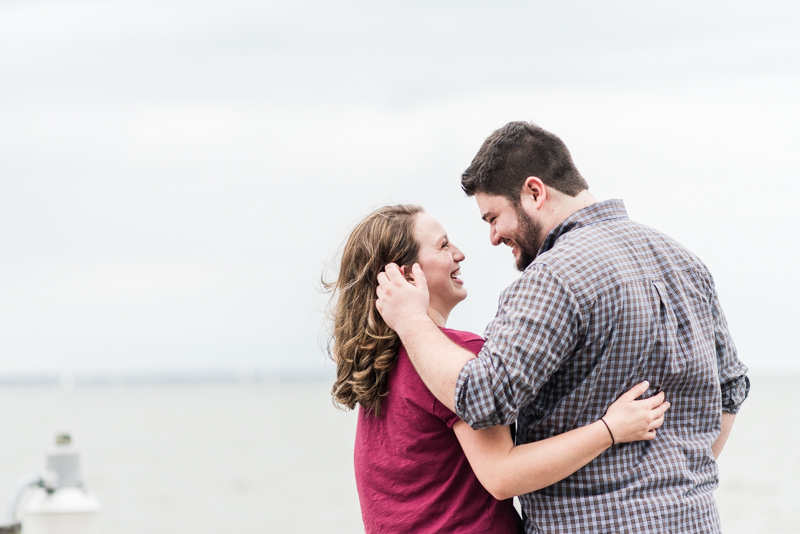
(462, 294)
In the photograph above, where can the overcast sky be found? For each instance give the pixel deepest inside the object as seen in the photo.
(175, 176)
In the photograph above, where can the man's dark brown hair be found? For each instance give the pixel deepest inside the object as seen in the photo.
(513, 153)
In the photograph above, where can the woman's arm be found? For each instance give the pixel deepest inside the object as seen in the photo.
(505, 470)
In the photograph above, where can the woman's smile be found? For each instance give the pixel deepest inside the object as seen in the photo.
(440, 260)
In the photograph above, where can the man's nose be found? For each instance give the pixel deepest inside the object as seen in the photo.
(493, 236)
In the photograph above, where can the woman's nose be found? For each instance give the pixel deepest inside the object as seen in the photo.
(458, 255)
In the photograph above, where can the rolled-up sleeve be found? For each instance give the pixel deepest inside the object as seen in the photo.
(536, 328)
(734, 383)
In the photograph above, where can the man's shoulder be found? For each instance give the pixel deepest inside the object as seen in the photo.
(539, 278)
(608, 236)
(620, 248)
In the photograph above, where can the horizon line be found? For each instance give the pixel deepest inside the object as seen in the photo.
(70, 379)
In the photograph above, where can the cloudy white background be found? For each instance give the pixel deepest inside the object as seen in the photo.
(176, 176)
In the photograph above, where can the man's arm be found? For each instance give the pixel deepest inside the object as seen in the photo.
(536, 328)
(404, 307)
(734, 383)
(727, 424)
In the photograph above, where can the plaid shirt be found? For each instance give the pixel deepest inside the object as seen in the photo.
(606, 304)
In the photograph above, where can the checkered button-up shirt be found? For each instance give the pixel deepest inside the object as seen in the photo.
(606, 304)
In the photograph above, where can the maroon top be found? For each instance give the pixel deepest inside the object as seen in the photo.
(411, 472)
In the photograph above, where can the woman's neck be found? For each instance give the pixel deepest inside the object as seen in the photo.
(438, 318)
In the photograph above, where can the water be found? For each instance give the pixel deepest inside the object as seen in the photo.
(201, 459)
(278, 458)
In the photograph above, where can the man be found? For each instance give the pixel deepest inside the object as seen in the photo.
(602, 304)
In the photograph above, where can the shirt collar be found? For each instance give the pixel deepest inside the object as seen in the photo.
(606, 210)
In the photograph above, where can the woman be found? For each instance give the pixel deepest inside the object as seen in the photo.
(418, 467)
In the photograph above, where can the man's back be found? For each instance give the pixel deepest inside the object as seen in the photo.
(606, 304)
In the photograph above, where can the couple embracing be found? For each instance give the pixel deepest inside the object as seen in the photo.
(601, 393)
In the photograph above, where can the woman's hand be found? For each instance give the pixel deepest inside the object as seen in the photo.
(632, 420)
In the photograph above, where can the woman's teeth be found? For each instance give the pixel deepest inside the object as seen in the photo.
(455, 274)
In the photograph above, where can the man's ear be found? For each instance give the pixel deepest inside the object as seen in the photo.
(534, 193)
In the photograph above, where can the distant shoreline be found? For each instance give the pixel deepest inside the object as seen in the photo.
(69, 380)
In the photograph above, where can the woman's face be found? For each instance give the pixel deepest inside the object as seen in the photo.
(439, 259)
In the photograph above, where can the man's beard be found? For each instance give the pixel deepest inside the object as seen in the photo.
(527, 240)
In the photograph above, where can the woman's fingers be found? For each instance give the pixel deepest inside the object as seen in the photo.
(636, 391)
(657, 415)
(653, 401)
(657, 423)
(631, 419)
(663, 407)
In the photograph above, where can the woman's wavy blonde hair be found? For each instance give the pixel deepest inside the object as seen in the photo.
(362, 344)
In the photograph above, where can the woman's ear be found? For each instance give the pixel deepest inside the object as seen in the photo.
(407, 275)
